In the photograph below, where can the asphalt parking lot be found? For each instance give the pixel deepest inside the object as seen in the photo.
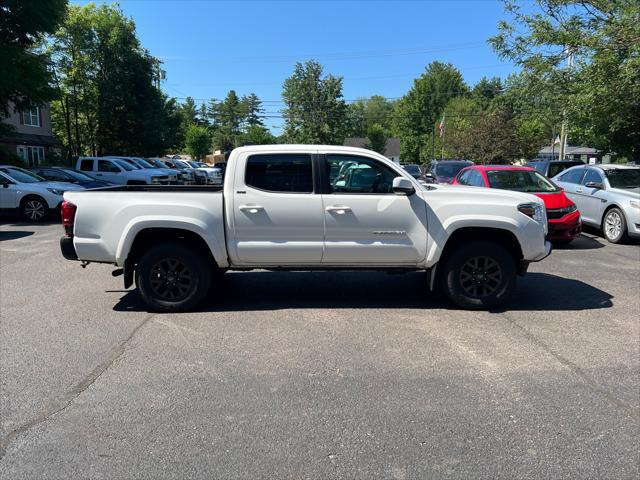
(318, 375)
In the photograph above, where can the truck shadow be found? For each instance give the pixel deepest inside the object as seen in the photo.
(264, 290)
(14, 234)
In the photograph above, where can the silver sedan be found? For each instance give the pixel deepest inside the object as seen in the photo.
(608, 197)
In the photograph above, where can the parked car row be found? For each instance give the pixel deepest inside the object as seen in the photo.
(156, 171)
(36, 192)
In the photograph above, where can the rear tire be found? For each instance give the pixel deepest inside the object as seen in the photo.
(479, 275)
(34, 209)
(172, 278)
(614, 226)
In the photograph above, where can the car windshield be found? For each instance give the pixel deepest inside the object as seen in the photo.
(181, 164)
(158, 164)
(194, 164)
(22, 176)
(449, 170)
(143, 163)
(623, 177)
(520, 181)
(126, 165)
(78, 175)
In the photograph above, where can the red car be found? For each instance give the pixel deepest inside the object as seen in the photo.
(562, 214)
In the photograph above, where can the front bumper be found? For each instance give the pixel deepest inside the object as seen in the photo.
(67, 248)
(565, 228)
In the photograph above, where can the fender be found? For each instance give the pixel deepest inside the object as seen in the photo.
(137, 224)
(440, 233)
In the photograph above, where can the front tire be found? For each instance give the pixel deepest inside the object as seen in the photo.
(614, 226)
(479, 275)
(34, 209)
(172, 278)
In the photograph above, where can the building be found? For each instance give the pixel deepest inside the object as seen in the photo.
(585, 154)
(32, 138)
(391, 151)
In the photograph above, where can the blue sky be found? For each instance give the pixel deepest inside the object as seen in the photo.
(379, 47)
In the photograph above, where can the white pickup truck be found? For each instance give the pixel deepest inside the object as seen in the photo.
(307, 207)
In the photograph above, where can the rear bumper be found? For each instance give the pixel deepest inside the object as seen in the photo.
(67, 248)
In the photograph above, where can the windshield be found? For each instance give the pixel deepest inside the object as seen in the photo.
(181, 164)
(158, 164)
(126, 165)
(623, 178)
(22, 176)
(79, 175)
(520, 181)
(449, 170)
(194, 164)
(143, 163)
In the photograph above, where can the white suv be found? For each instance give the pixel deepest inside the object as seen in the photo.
(31, 195)
(118, 171)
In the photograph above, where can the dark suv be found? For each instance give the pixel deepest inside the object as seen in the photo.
(444, 171)
(551, 168)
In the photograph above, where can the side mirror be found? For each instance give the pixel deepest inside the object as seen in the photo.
(596, 185)
(403, 186)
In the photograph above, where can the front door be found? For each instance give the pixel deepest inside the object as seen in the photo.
(277, 213)
(8, 193)
(109, 171)
(591, 200)
(365, 222)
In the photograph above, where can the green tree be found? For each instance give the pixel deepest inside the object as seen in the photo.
(108, 103)
(25, 79)
(197, 141)
(376, 138)
(600, 95)
(253, 109)
(257, 135)
(486, 90)
(366, 112)
(418, 111)
(315, 111)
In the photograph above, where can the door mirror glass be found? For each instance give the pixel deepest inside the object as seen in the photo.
(403, 186)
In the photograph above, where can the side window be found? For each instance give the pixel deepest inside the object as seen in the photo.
(463, 179)
(53, 175)
(353, 174)
(107, 166)
(475, 179)
(86, 165)
(572, 176)
(556, 168)
(280, 173)
(592, 175)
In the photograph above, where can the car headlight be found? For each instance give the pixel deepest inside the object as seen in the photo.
(570, 209)
(533, 210)
(155, 179)
(56, 191)
(634, 203)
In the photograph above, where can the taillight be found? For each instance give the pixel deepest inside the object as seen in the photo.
(68, 214)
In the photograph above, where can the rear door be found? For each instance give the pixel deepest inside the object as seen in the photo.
(365, 222)
(8, 193)
(277, 214)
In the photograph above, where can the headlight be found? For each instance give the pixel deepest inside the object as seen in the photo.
(155, 179)
(570, 209)
(533, 210)
(56, 191)
(634, 203)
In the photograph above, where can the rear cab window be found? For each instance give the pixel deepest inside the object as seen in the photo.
(285, 173)
(86, 165)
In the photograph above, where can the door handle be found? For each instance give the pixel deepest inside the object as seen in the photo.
(251, 208)
(340, 210)
(578, 190)
(98, 174)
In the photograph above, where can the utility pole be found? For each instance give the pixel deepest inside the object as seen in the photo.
(563, 127)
